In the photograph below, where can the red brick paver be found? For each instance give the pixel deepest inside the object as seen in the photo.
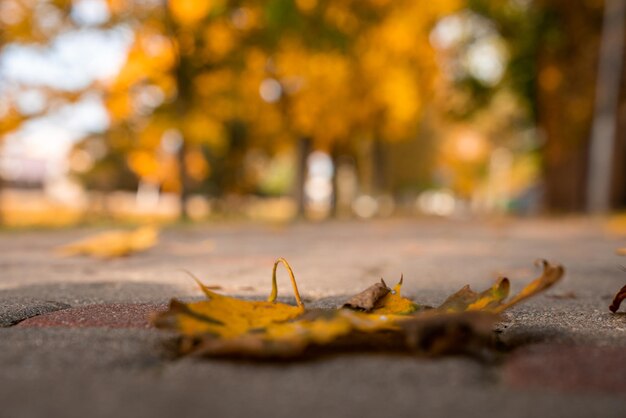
(568, 368)
(115, 315)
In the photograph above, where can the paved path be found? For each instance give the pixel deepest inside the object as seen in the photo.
(71, 359)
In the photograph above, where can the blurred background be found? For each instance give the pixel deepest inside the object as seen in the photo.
(274, 110)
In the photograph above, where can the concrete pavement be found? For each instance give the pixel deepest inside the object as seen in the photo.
(564, 344)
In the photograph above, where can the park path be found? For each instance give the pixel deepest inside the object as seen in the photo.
(73, 339)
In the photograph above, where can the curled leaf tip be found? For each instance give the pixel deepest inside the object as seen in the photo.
(504, 283)
(205, 289)
(190, 274)
(617, 301)
(274, 294)
(551, 274)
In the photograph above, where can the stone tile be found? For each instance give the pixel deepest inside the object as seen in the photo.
(114, 315)
(567, 368)
(14, 311)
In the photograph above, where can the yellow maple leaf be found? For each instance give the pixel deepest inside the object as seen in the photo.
(113, 244)
(226, 326)
(229, 317)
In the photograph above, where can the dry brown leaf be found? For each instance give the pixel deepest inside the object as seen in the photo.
(225, 326)
(394, 303)
(367, 299)
(113, 244)
(617, 301)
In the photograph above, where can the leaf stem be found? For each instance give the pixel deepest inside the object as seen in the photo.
(274, 294)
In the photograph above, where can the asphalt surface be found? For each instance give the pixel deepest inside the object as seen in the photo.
(562, 348)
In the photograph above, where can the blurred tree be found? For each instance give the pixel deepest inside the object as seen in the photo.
(230, 77)
(554, 47)
(33, 29)
(208, 84)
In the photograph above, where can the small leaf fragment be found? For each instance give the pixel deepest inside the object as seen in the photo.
(394, 303)
(617, 301)
(466, 299)
(367, 299)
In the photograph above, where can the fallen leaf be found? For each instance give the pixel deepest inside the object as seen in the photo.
(367, 299)
(378, 316)
(228, 317)
(437, 333)
(550, 275)
(292, 338)
(467, 300)
(394, 303)
(113, 244)
(617, 301)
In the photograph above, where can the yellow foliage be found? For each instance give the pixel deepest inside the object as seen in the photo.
(219, 39)
(306, 5)
(189, 12)
(196, 165)
(340, 16)
(211, 83)
(401, 96)
(119, 105)
(150, 56)
(144, 164)
(169, 177)
(209, 58)
(198, 128)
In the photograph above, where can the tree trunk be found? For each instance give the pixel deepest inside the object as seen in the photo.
(184, 181)
(566, 75)
(379, 167)
(302, 153)
(2, 201)
(606, 107)
(618, 187)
